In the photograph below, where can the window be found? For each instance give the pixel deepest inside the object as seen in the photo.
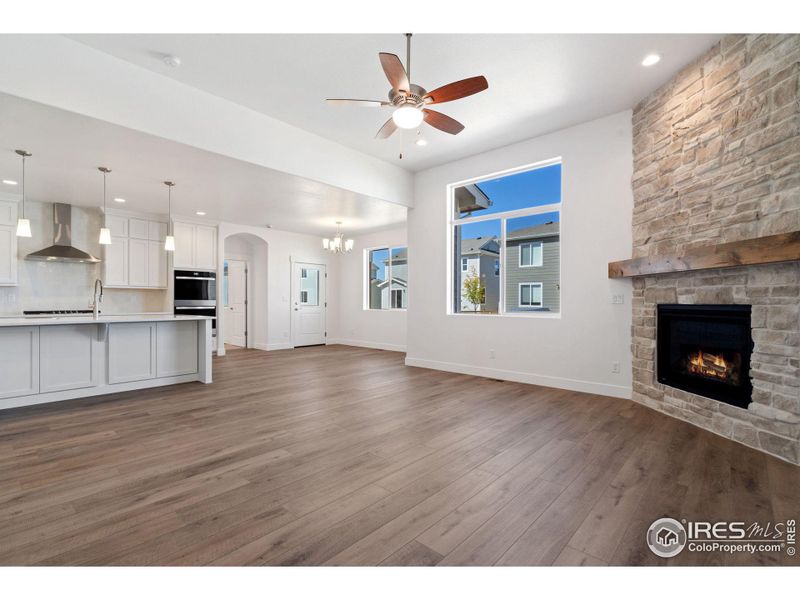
(530, 294)
(387, 278)
(506, 230)
(530, 255)
(309, 287)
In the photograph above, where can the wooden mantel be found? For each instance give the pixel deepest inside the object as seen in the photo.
(770, 249)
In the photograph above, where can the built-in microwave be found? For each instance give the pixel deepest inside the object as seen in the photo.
(196, 294)
(195, 288)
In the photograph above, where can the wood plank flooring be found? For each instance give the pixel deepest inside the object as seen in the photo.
(344, 456)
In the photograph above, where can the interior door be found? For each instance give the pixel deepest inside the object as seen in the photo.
(235, 302)
(308, 304)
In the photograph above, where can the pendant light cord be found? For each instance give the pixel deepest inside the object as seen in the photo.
(23, 185)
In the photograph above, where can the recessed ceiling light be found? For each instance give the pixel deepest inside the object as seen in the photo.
(172, 61)
(9, 182)
(650, 60)
(421, 142)
(200, 213)
(120, 200)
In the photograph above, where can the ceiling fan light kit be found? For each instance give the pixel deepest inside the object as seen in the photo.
(410, 100)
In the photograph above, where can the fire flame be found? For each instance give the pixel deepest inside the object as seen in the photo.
(709, 365)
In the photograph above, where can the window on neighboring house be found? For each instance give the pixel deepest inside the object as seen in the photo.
(387, 278)
(303, 297)
(530, 295)
(530, 254)
(510, 224)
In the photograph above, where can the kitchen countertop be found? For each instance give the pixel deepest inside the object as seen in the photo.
(77, 319)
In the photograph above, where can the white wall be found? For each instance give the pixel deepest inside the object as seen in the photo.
(574, 351)
(282, 248)
(384, 329)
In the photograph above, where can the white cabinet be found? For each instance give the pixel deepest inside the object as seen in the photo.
(117, 225)
(68, 357)
(139, 229)
(195, 246)
(116, 262)
(19, 361)
(132, 259)
(184, 245)
(205, 247)
(157, 231)
(138, 262)
(157, 265)
(131, 352)
(174, 344)
(8, 242)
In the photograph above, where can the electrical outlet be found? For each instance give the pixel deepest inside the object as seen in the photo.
(491, 353)
(618, 299)
(615, 367)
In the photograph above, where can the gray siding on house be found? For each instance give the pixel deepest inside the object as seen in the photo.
(548, 274)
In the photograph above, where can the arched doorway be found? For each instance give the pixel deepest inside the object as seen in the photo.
(242, 302)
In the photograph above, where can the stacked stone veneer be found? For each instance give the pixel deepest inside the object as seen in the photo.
(717, 159)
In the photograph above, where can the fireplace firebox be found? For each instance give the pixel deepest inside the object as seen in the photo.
(705, 349)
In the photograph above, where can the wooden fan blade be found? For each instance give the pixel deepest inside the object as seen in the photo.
(352, 102)
(395, 71)
(388, 129)
(443, 122)
(456, 90)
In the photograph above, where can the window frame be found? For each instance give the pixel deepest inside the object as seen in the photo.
(531, 284)
(453, 221)
(366, 278)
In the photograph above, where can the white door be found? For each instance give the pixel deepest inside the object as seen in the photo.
(308, 304)
(236, 303)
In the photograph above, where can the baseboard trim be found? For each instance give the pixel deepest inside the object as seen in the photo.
(281, 346)
(576, 385)
(366, 344)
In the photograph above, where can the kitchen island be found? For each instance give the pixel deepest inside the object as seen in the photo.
(47, 359)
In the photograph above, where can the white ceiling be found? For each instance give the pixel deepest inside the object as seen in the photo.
(537, 83)
(67, 149)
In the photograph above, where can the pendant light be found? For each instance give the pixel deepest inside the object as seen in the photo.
(169, 241)
(23, 224)
(105, 234)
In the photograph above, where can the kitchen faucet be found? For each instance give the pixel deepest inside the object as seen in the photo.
(96, 299)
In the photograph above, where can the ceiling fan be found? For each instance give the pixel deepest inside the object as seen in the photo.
(410, 100)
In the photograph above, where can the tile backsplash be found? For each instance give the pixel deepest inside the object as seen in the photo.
(44, 286)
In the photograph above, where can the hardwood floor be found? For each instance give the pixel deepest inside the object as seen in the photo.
(344, 456)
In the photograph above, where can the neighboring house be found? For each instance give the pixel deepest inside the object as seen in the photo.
(395, 295)
(533, 269)
(481, 257)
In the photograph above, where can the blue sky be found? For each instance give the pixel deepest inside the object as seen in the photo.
(521, 190)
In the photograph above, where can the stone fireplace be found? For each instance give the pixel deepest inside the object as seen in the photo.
(716, 160)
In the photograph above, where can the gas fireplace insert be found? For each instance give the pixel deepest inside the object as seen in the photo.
(705, 349)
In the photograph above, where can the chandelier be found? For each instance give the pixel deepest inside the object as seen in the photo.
(338, 244)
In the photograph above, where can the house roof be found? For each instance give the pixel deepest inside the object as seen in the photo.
(395, 280)
(480, 244)
(537, 231)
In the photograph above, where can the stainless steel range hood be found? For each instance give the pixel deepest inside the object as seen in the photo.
(62, 249)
